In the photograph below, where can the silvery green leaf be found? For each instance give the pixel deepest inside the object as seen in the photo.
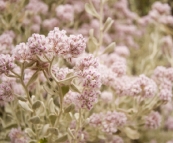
(25, 106)
(30, 132)
(36, 105)
(92, 42)
(65, 90)
(53, 130)
(67, 81)
(22, 98)
(32, 79)
(51, 105)
(70, 133)
(35, 120)
(107, 24)
(52, 118)
(91, 10)
(61, 139)
(70, 108)
(131, 133)
(110, 48)
(74, 88)
(44, 130)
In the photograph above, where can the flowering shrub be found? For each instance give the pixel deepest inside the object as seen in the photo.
(90, 71)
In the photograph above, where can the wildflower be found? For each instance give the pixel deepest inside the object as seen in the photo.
(153, 120)
(6, 63)
(22, 53)
(6, 91)
(65, 12)
(77, 45)
(18, 136)
(59, 42)
(38, 44)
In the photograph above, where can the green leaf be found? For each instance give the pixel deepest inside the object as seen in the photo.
(36, 105)
(107, 24)
(91, 10)
(35, 120)
(131, 133)
(30, 132)
(61, 139)
(33, 78)
(92, 42)
(53, 130)
(25, 106)
(74, 88)
(109, 49)
(70, 108)
(52, 118)
(44, 140)
(65, 89)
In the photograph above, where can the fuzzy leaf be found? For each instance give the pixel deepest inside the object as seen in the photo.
(107, 24)
(70, 108)
(25, 106)
(110, 48)
(131, 133)
(61, 139)
(30, 132)
(36, 105)
(35, 120)
(65, 89)
(52, 118)
(91, 10)
(33, 78)
(53, 130)
(51, 105)
(44, 130)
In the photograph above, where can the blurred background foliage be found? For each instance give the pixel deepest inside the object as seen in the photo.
(143, 6)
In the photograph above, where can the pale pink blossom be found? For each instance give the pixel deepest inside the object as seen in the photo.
(6, 63)
(38, 44)
(77, 45)
(153, 120)
(18, 136)
(106, 96)
(22, 53)
(65, 12)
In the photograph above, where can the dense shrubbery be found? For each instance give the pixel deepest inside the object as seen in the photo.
(88, 71)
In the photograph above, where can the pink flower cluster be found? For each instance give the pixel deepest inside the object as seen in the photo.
(6, 92)
(109, 122)
(6, 63)
(18, 136)
(60, 73)
(89, 78)
(56, 43)
(153, 120)
(164, 78)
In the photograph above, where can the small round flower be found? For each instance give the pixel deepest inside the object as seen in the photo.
(60, 73)
(18, 136)
(119, 68)
(165, 95)
(86, 61)
(65, 12)
(106, 96)
(95, 119)
(59, 42)
(90, 78)
(77, 45)
(38, 44)
(117, 139)
(22, 53)
(153, 120)
(6, 63)
(6, 91)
